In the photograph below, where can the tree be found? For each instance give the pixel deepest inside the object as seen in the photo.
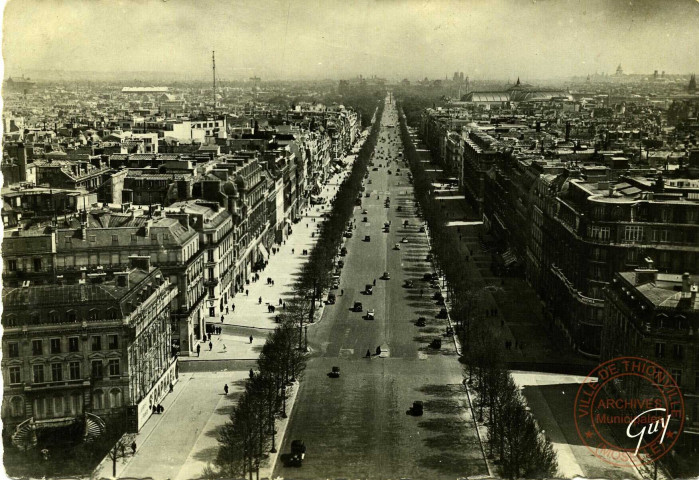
(121, 450)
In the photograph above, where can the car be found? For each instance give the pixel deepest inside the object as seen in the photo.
(358, 307)
(364, 212)
(399, 209)
(298, 451)
(386, 276)
(365, 219)
(369, 289)
(348, 234)
(436, 343)
(442, 313)
(428, 257)
(409, 284)
(341, 264)
(386, 230)
(370, 182)
(331, 298)
(422, 229)
(404, 240)
(370, 314)
(335, 285)
(396, 246)
(421, 322)
(334, 373)
(367, 194)
(343, 251)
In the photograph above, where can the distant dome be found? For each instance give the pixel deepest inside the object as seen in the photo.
(56, 153)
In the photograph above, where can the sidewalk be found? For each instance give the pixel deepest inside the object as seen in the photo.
(283, 267)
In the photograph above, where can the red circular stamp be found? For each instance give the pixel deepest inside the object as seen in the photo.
(629, 411)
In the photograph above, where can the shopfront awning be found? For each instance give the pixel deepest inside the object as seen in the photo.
(263, 251)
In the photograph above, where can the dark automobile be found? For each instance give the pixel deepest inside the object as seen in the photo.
(417, 409)
(358, 307)
(421, 322)
(442, 313)
(436, 343)
(335, 372)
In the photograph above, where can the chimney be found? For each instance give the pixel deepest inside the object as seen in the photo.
(139, 261)
(121, 279)
(646, 274)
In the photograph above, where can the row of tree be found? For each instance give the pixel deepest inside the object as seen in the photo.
(513, 435)
(250, 435)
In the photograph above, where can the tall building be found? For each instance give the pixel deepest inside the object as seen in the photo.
(75, 354)
(655, 315)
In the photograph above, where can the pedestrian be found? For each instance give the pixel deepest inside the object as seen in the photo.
(280, 301)
(227, 310)
(133, 447)
(204, 337)
(368, 353)
(221, 318)
(259, 300)
(292, 251)
(211, 345)
(374, 282)
(233, 307)
(247, 293)
(225, 389)
(273, 308)
(171, 387)
(378, 350)
(284, 305)
(250, 338)
(198, 349)
(272, 282)
(342, 292)
(252, 374)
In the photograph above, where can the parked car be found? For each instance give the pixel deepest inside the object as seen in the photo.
(370, 314)
(421, 322)
(408, 284)
(343, 251)
(404, 240)
(331, 298)
(358, 307)
(442, 313)
(369, 289)
(436, 343)
(341, 264)
(422, 229)
(348, 234)
(364, 212)
(386, 276)
(428, 257)
(335, 372)
(367, 238)
(396, 246)
(365, 219)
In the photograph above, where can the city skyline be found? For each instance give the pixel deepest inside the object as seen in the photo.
(331, 40)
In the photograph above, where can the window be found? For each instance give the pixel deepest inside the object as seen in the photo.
(113, 342)
(71, 316)
(12, 265)
(93, 238)
(660, 235)
(96, 343)
(115, 239)
(13, 349)
(212, 292)
(37, 347)
(97, 371)
(37, 264)
(154, 238)
(55, 345)
(678, 351)
(209, 255)
(93, 315)
(660, 350)
(17, 407)
(114, 367)
(56, 372)
(134, 238)
(98, 400)
(633, 233)
(74, 370)
(115, 398)
(631, 255)
(677, 375)
(15, 374)
(58, 405)
(38, 373)
(211, 273)
(598, 233)
(73, 344)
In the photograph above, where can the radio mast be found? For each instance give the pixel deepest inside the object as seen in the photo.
(213, 65)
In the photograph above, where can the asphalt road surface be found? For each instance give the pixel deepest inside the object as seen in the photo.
(356, 425)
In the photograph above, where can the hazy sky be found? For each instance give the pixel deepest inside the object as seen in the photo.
(335, 39)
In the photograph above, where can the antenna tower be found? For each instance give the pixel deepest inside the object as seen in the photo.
(213, 65)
